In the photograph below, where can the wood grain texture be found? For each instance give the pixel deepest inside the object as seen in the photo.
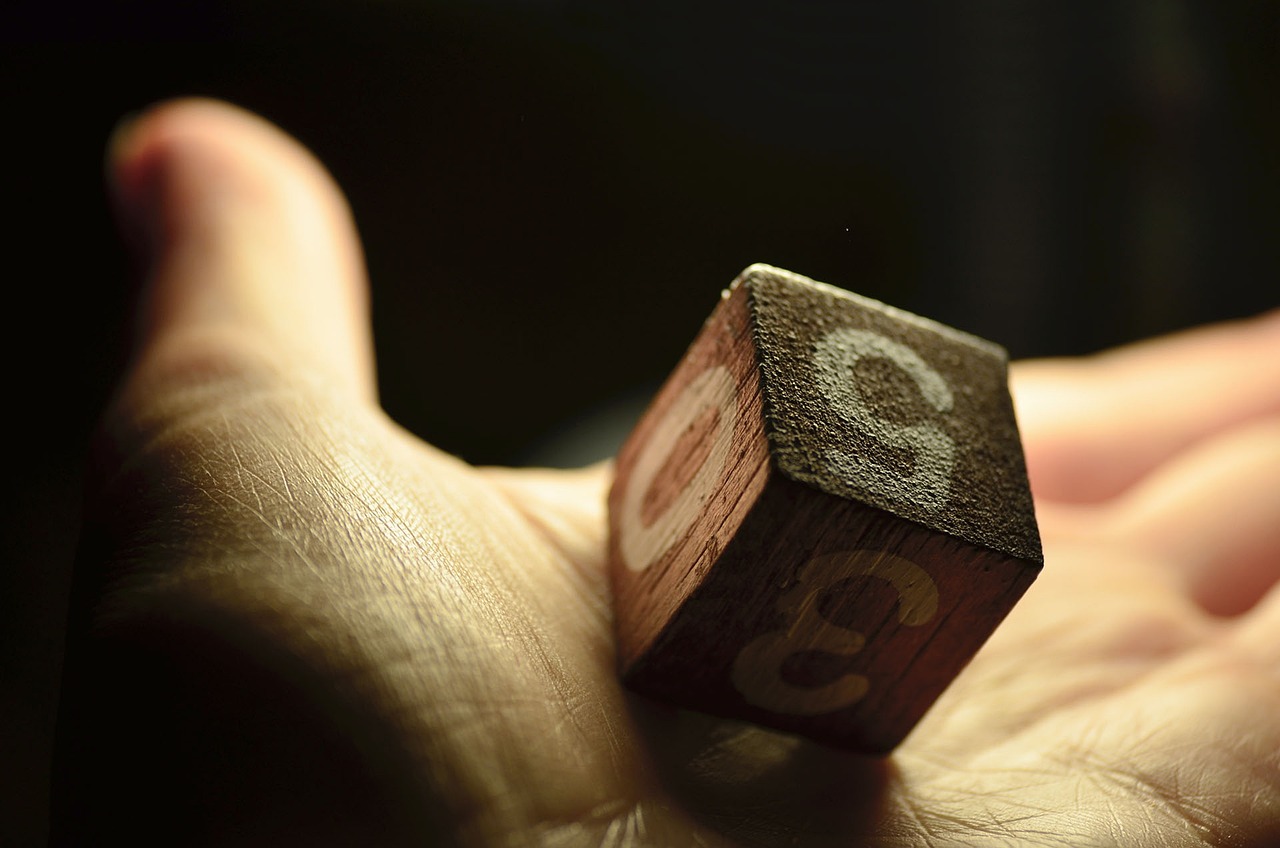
(821, 517)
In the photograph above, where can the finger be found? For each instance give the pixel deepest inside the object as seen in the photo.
(1214, 513)
(1258, 631)
(567, 506)
(249, 242)
(1093, 427)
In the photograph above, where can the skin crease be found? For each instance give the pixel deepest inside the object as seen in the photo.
(261, 534)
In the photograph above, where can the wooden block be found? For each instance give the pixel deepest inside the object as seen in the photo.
(821, 517)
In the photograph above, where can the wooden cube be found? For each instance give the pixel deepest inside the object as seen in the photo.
(821, 517)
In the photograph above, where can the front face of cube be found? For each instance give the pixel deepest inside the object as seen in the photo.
(830, 619)
(827, 563)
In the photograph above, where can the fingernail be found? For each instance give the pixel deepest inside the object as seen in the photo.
(116, 154)
(121, 134)
(123, 178)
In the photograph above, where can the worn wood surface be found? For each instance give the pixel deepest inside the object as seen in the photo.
(821, 517)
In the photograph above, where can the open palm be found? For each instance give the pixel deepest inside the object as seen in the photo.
(304, 626)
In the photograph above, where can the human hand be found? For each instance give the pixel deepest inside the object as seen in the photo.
(309, 627)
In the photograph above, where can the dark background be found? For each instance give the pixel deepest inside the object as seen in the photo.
(553, 192)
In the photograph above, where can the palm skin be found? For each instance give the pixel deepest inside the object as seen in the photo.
(263, 541)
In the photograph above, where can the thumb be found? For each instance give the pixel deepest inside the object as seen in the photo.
(251, 249)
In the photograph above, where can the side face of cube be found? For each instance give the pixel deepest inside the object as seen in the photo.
(686, 478)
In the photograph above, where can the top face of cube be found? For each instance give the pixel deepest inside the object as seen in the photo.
(877, 405)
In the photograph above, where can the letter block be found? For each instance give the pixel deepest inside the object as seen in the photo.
(821, 517)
